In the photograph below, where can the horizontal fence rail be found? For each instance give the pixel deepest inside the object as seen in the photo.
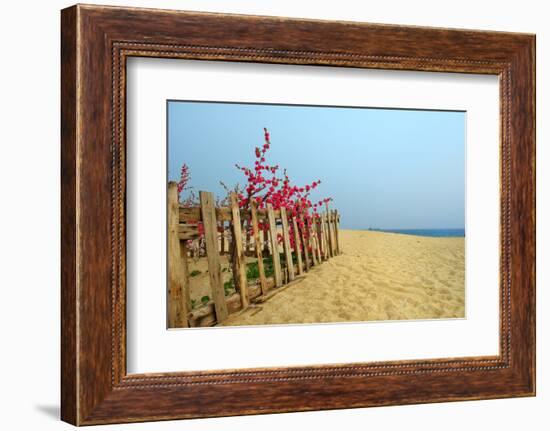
(241, 234)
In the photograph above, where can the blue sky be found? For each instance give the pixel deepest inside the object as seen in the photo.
(384, 168)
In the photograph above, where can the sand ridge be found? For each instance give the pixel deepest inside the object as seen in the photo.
(378, 276)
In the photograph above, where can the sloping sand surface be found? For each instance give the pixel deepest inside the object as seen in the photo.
(378, 276)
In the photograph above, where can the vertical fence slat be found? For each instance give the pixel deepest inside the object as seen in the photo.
(264, 240)
(221, 228)
(338, 230)
(286, 242)
(212, 254)
(247, 243)
(333, 229)
(325, 229)
(322, 235)
(258, 246)
(274, 247)
(317, 229)
(185, 273)
(305, 243)
(329, 230)
(336, 233)
(239, 266)
(331, 224)
(297, 243)
(318, 244)
(313, 250)
(313, 242)
(177, 304)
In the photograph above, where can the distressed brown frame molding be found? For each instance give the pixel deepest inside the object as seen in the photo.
(95, 42)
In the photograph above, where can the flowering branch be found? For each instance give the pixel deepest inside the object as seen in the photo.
(266, 186)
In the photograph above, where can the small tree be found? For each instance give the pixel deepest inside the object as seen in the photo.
(265, 185)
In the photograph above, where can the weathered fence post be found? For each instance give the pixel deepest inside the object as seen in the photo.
(305, 243)
(322, 234)
(264, 241)
(329, 230)
(178, 291)
(214, 268)
(327, 241)
(336, 233)
(286, 242)
(313, 242)
(247, 241)
(274, 246)
(185, 271)
(297, 247)
(318, 244)
(221, 228)
(333, 230)
(257, 246)
(239, 267)
(314, 228)
(317, 228)
(338, 230)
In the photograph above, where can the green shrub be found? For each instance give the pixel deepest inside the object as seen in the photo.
(228, 287)
(253, 273)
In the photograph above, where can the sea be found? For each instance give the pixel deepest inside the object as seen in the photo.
(427, 232)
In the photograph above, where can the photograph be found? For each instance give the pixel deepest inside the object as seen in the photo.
(303, 214)
(329, 209)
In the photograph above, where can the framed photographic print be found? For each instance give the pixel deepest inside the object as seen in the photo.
(322, 214)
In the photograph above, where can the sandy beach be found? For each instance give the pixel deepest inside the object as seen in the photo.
(379, 276)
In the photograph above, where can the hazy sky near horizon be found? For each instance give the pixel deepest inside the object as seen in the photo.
(384, 168)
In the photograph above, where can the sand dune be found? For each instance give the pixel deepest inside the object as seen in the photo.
(379, 276)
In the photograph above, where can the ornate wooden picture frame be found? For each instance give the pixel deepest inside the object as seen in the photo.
(96, 41)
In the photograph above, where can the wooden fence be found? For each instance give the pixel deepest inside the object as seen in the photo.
(321, 242)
